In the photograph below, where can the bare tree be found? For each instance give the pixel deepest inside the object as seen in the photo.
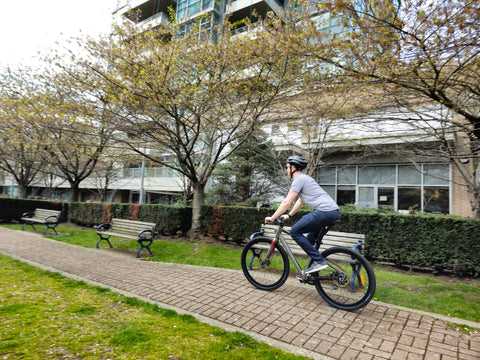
(73, 121)
(415, 54)
(196, 98)
(20, 152)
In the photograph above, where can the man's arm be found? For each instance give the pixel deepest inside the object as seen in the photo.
(283, 206)
(296, 207)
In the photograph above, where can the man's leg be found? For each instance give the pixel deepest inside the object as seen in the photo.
(307, 224)
(312, 224)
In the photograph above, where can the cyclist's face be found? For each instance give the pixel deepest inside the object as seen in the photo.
(289, 168)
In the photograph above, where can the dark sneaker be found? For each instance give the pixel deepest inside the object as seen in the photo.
(316, 266)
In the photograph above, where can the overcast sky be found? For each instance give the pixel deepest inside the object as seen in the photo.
(30, 26)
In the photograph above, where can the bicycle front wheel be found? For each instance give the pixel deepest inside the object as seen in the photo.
(349, 281)
(265, 267)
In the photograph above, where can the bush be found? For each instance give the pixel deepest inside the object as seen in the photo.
(438, 243)
(13, 209)
(435, 242)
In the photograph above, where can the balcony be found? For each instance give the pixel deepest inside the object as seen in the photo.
(136, 173)
(151, 13)
(159, 19)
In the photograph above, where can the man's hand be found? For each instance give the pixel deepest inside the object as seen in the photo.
(268, 220)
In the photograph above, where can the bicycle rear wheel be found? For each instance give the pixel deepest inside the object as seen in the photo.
(265, 273)
(349, 281)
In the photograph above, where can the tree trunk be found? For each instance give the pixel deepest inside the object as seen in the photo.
(475, 203)
(74, 191)
(22, 191)
(198, 200)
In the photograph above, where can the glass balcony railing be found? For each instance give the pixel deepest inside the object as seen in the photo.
(136, 173)
(157, 19)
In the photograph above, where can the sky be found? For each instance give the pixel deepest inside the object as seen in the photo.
(30, 26)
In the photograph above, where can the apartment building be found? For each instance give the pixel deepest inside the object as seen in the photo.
(350, 175)
(153, 13)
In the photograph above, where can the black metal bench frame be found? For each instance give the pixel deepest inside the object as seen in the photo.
(49, 218)
(143, 232)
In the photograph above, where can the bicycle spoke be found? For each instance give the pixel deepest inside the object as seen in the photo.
(349, 282)
(265, 271)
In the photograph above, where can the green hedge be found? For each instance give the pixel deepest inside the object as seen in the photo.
(439, 243)
(170, 220)
(433, 242)
(13, 209)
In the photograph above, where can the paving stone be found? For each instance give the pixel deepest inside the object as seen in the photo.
(294, 316)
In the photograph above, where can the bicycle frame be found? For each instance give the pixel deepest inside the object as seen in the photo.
(279, 238)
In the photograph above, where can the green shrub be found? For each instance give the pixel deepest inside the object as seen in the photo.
(13, 209)
(438, 243)
(86, 214)
(434, 242)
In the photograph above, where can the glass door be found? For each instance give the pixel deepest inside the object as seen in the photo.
(366, 196)
(374, 196)
(386, 196)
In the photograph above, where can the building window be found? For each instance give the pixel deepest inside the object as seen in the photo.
(346, 194)
(436, 200)
(347, 175)
(409, 175)
(402, 187)
(376, 175)
(409, 198)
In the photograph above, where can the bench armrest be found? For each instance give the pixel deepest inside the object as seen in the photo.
(28, 214)
(255, 234)
(144, 234)
(104, 227)
(52, 219)
(358, 246)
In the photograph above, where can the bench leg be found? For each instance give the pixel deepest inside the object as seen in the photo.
(51, 228)
(142, 246)
(31, 224)
(103, 238)
(356, 274)
(255, 254)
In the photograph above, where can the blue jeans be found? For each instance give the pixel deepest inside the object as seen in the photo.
(312, 223)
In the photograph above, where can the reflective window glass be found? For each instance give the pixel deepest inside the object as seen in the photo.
(436, 174)
(347, 175)
(326, 175)
(345, 195)
(409, 197)
(377, 175)
(409, 175)
(386, 196)
(435, 200)
(366, 194)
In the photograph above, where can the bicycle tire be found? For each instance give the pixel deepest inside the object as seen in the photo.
(265, 274)
(349, 282)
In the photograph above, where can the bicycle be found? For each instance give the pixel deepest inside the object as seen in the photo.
(348, 283)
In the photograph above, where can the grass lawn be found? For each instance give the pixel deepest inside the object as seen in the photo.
(48, 316)
(444, 295)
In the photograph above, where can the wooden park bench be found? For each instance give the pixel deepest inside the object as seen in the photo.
(50, 218)
(331, 239)
(143, 232)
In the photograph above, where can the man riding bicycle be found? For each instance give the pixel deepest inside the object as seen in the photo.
(325, 210)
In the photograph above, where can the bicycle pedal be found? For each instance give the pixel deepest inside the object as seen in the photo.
(299, 278)
(308, 279)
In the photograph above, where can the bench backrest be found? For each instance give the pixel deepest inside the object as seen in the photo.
(131, 227)
(43, 213)
(332, 238)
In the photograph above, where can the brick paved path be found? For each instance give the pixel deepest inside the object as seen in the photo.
(293, 317)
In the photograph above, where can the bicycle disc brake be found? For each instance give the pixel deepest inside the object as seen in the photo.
(340, 279)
